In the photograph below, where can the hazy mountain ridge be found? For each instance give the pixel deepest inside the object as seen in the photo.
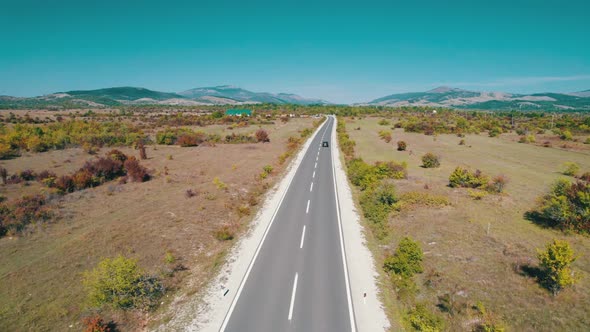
(117, 96)
(465, 99)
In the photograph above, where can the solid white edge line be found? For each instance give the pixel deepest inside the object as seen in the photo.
(293, 296)
(307, 209)
(347, 281)
(302, 238)
(237, 296)
(311, 187)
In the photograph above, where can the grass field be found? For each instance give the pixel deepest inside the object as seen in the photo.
(473, 248)
(41, 271)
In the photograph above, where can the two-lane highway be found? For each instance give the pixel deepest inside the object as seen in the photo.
(297, 280)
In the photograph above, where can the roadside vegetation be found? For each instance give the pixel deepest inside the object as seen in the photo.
(131, 210)
(480, 242)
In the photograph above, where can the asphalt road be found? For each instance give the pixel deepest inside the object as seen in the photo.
(297, 280)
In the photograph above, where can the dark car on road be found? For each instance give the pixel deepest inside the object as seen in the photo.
(325, 144)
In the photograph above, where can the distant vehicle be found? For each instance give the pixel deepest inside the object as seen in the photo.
(325, 144)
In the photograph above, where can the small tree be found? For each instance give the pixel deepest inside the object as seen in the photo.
(430, 160)
(262, 136)
(121, 283)
(401, 146)
(556, 260)
(407, 259)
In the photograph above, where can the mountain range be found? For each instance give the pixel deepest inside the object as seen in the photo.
(231, 95)
(109, 97)
(457, 98)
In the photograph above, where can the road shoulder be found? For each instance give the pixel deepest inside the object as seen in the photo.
(368, 310)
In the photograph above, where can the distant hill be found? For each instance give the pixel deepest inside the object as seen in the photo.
(109, 97)
(240, 95)
(464, 99)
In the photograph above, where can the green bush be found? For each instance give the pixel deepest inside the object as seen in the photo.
(462, 177)
(567, 206)
(421, 319)
(377, 203)
(566, 135)
(407, 259)
(556, 260)
(385, 135)
(383, 122)
(361, 174)
(430, 160)
(120, 283)
(391, 170)
(571, 168)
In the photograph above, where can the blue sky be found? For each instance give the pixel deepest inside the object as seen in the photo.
(337, 50)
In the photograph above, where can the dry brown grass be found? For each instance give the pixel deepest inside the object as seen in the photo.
(40, 272)
(474, 248)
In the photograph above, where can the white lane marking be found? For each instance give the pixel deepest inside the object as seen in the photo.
(311, 187)
(316, 165)
(307, 209)
(293, 297)
(302, 238)
(347, 281)
(313, 176)
(243, 283)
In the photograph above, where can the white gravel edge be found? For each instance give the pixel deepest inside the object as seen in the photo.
(369, 312)
(207, 313)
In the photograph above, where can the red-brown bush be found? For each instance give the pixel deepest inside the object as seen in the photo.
(82, 179)
(117, 155)
(262, 136)
(64, 184)
(22, 212)
(96, 324)
(27, 175)
(187, 140)
(105, 168)
(45, 174)
(135, 171)
(3, 174)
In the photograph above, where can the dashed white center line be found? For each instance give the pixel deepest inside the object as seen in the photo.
(311, 187)
(293, 297)
(302, 238)
(313, 176)
(307, 209)
(316, 165)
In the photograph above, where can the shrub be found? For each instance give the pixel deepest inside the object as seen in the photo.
(187, 141)
(361, 174)
(218, 183)
(391, 170)
(306, 132)
(190, 193)
(401, 146)
(462, 177)
(27, 175)
(23, 211)
(585, 177)
(65, 184)
(385, 135)
(430, 160)
(96, 324)
(82, 179)
(555, 260)
(495, 131)
(571, 168)
(383, 122)
(376, 203)
(488, 322)
(462, 142)
(224, 233)
(119, 282)
(477, 194)
(420, 319)
(566, 135)
(587, 141)
(116, 155)
(169, 258)
(567, 206)
(135, 171)
(267, 169)
(262, 136)
(498, 184)
(407, 259)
